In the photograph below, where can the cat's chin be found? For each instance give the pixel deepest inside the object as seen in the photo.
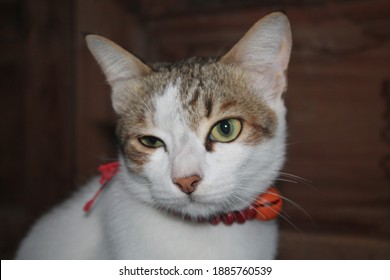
(196, 209)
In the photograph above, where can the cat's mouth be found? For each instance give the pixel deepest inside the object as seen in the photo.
(265, 207)
(195, 208)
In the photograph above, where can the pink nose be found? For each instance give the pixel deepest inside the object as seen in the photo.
(187, 184)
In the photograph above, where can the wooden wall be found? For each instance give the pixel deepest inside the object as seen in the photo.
(56, 117)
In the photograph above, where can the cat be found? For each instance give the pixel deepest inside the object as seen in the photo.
(197, 138)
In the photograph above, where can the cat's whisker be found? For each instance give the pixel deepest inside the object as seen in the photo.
(294, 176)
(286, 180)
(286, 199)
(298, 178)
(284, 216)
(293, 143)
(283, 176)
(297, 206)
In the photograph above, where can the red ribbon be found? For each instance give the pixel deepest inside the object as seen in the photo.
(107, 171)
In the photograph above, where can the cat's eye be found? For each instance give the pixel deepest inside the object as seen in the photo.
(226, 130)
(151, 141)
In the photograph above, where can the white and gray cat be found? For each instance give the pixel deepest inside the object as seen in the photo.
(198, 138)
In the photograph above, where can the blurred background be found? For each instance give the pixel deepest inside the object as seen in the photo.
(56, 122)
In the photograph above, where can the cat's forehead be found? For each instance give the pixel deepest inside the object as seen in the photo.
(208, 89)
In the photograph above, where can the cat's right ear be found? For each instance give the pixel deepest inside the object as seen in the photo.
(265, 49)
(118, 65)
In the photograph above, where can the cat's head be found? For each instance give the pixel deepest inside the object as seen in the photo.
(202, 136)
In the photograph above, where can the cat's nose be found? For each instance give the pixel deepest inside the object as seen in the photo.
(187, 184)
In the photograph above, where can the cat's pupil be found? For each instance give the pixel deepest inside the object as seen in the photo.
(225, 127)
(152, 140)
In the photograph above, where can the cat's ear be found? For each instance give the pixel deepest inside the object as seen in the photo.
(118, 65)
(265, 49)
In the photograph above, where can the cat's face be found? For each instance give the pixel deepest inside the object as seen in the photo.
(204, 136)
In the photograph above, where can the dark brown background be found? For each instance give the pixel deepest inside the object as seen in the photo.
(56, 117)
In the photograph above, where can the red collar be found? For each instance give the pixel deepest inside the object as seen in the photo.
(267, 206)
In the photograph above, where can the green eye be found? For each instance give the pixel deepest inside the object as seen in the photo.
(226, 130)
(151, 141)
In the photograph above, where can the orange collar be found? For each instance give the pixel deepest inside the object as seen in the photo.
(266, 207)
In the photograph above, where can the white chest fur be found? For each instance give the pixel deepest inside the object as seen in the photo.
(146, 233)
(121, 227)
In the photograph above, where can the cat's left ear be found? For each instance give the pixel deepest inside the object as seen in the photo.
(119, 66)
(265, 49)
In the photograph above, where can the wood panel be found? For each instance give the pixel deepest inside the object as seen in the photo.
(57, 119)
(12, 126)
(49, 104)
(39, 86)
(338, 70)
